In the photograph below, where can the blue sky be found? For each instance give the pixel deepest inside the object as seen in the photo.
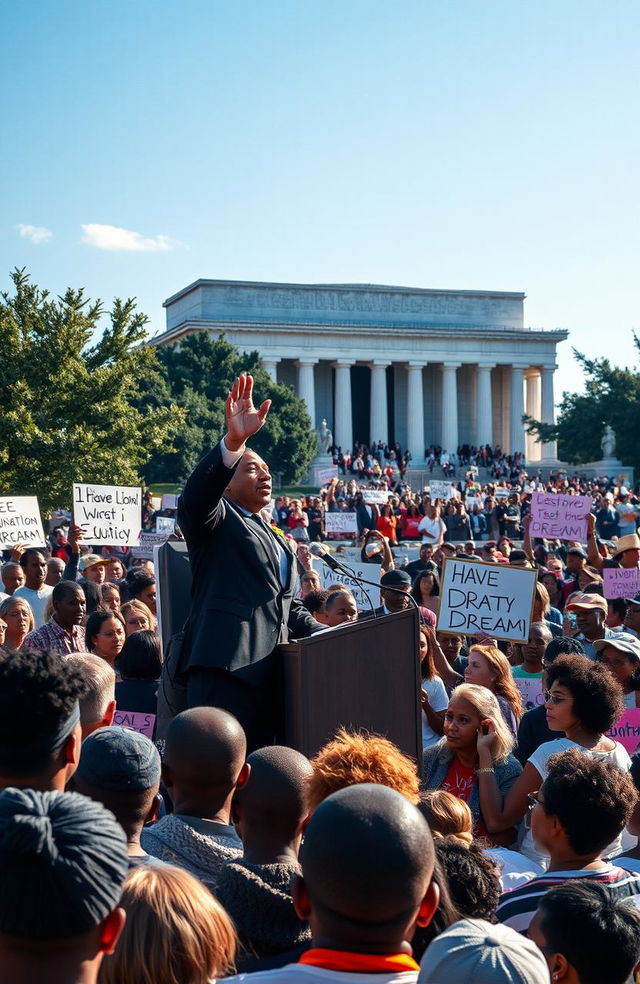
(449, 144)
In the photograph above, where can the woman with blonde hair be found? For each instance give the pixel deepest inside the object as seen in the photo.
(447, 816)
(452, 764)
(137, 616)
(175, 933)
(488, 667)
(17, 613)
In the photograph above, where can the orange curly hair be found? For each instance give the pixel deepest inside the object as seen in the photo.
(356, 757)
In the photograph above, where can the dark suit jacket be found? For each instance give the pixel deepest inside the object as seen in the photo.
(240, 610)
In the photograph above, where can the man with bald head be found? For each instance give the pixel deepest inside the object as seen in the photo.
(204, 764)
(243, 579)
(367, 863)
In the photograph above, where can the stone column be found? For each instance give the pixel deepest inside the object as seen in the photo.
(415, 412)
(532, 377)
(450, 407)
(343, 430)
(484, 405)
(517, 409)
(378, 416)
(550, 448)
(306, 386)
(270, 363)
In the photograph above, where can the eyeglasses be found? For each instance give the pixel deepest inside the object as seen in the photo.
(550, 698)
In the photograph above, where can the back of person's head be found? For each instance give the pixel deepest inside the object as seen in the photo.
(562, 646)
(579, 788)
(175, 933)
(473, 879)
(63, 862)
(39, 718)
(141, 657)
(580, 925)
(447, 816)
(477, 952)
(204, 757)
(98, 704)
(274, 798)
(598, 700)
(121, 770)
(367, 863)
(356, 757)
(315, 601)
(444, 916)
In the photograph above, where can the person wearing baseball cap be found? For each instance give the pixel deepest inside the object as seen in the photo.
(93, 568)
(475, 950)
(621, 655)
(591, 610)
(391, 585)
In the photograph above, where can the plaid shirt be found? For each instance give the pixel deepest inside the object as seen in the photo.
(53, 636)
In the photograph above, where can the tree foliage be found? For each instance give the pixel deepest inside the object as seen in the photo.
(68, 411)
(197, 374)
(611, 396)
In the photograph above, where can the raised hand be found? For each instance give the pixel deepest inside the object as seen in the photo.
(486, 735)
(243, 419)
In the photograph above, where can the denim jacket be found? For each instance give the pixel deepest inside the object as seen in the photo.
(435, 764)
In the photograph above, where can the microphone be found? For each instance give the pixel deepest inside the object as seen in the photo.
(317, 550)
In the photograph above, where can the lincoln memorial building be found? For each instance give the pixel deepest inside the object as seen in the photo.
(415, 366)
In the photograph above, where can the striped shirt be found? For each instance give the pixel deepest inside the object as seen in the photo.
(517, 908)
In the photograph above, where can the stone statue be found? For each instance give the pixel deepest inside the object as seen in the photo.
(324, 438)
(608, 442)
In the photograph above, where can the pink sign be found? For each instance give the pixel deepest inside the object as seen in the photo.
(626, 730)
(559, 517)
(136, 721)
(621, 582)
(530, 691)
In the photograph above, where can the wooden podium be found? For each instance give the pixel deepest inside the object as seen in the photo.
(364, 674)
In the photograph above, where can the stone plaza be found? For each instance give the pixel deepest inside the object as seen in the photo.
(419, 367)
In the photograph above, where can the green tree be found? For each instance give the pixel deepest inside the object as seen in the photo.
(197, 375)
(67, 410)
(611, 396)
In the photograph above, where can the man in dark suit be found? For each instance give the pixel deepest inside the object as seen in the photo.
(244, 574)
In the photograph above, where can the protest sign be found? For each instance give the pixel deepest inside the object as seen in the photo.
(135, 721)
(559, 517)
(20, 521)
(108, 514)
(502, 493)
(325, 475)
(340, 524)
(169, 501)
(621, 582)
(626, 730)
(442, 490)
(530, 691)
(488, 599)
(378, 497)
(147, 542)
(359, 591)
(165, 524)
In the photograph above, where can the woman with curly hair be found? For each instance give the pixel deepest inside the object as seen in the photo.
(488, 667)
(584, 701)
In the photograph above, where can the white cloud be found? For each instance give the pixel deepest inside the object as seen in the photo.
(116, 239)
(37, 234)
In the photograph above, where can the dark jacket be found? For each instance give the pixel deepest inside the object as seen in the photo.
(240, 610)
(533, 732)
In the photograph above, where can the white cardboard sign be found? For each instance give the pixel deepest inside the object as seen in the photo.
(340, 524)
(489, 599)
(20, 521)
(110, 515)
(359, 591)
(443, 490)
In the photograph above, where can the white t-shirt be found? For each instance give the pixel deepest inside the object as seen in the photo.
(299, 973)
(624, 511)
(37, 600)
(617, 756)
(438, 700)
(435, 527)
(515, 869)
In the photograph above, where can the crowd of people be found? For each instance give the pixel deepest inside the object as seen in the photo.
(508, 854)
